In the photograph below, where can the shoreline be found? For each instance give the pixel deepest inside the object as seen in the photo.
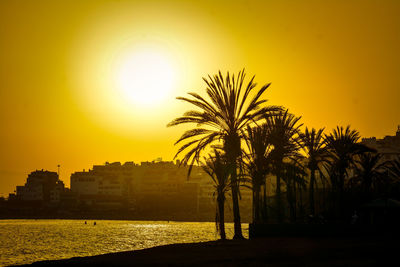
(116, 217)
(109, 219)
(277, 251)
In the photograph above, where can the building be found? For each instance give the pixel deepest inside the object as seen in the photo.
(41, 186)
(389, 146)
(148, 188)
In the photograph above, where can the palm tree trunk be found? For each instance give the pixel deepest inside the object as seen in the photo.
(253, 206)
(278, 195)
(221, 217)
(290, 199)
(236, 213)
(317, 202)
(312, 182)
(295, 200)
(264, 205)
(235, 203)
(301, 201)
(256, 204)
(233, 150)
(340, 198)
(324, 195)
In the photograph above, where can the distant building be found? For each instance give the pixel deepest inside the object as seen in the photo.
(158, 187)
(85, 183)
(41, 186)
(389, 146)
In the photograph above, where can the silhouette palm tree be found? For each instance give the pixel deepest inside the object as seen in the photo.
(215, 166)
(283, 129)
(343, 146)
(369, 170)
(222, 118)
(389, 183)
(394, 169)
(257, 164)
(313, 145)
(294, 176)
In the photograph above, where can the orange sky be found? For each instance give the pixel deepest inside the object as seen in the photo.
(332, 62)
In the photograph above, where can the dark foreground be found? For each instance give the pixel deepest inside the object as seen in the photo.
(378, 251)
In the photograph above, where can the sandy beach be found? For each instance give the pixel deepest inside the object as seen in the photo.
(378, 251)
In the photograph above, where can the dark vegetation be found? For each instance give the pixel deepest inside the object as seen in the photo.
(315, 177)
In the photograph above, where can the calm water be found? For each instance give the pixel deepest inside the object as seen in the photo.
(27, 241)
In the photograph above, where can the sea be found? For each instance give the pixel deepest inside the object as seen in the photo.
(27, 241)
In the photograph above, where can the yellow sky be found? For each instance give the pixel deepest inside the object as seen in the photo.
(332, 62)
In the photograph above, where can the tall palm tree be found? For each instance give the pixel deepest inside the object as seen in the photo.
(283, 129)
(222, 118)
(257, 163)
(343, 146)
(215, 166)
(313, 146)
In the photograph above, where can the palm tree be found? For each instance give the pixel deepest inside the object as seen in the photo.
(283, 129)
(215, 167)
(343, 146)
(394, 169)
(257, 163)
(393, 173)
(369, 170)
(222, 118)
(313, 146)
(294, 176)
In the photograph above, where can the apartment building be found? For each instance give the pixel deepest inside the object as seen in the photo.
(389, 146)
(41, 186)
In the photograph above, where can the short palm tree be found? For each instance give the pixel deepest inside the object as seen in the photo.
(394, 169)
(390, 181)
(313, 145)
(294, 177)
(369, 170)
(257, 163)
(215, 166)
(222, 118)
(283, 129)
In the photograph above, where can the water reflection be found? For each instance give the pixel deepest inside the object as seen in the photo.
(26, 241)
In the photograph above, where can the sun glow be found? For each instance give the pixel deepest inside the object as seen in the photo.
(126, 84)
(145, 78)
(126, 77)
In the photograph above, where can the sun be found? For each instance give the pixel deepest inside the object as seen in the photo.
(145, 78)
(129, 85)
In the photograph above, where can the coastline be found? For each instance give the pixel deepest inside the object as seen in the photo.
(95, 218)
(276, 251)
(115, 216)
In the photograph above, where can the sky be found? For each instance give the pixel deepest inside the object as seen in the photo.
(66, 96)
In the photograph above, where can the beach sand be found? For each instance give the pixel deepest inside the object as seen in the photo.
(257, 252)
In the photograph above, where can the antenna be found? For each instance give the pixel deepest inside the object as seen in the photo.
(58, 170)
